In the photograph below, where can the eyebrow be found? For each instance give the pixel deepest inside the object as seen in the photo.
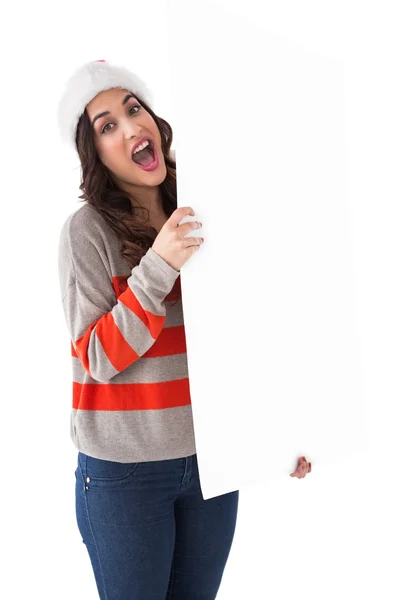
(107, 112)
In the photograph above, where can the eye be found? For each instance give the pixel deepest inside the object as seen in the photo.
(130, 112)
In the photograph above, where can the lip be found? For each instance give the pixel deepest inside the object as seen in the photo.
(144, 139)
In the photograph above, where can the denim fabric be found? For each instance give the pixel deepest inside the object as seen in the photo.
(149, 532)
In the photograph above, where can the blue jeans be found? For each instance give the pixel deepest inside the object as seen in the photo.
(149, 532)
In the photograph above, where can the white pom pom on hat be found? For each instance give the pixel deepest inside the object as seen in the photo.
(85, 83)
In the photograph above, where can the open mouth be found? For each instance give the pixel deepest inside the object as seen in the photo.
(145, 157)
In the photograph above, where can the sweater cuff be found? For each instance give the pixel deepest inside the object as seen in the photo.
(162, 264)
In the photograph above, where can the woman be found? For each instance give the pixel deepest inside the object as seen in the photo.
(140, 511)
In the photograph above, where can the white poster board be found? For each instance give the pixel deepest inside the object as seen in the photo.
(270, 305)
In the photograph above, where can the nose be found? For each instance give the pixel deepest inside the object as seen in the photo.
(132, 129)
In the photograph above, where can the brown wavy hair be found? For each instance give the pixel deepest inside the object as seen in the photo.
(115, 204)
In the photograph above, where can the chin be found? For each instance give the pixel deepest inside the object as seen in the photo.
(160, 173)
(163, 174)
(154, 178)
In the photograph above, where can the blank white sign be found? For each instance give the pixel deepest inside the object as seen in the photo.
(270, 302)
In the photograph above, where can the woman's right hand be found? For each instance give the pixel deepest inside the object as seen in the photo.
(171, 244)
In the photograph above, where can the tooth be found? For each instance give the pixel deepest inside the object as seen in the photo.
(142, 146)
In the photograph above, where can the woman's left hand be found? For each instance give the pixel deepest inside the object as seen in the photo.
(302, 468)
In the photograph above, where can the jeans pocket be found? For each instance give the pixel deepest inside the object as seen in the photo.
(100, 474)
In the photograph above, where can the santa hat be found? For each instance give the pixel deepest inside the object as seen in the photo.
(85, 83)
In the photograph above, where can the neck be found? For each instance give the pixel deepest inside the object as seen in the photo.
(149, 199)
(145, 198)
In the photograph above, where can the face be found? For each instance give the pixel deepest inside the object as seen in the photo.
(115, 134)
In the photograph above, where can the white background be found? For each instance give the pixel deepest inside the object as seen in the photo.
(335, 533)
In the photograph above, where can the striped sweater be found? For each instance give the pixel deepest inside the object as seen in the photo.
(130, 389)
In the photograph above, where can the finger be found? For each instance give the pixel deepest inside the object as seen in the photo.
(301, 469)
(306, 465)
(179, 214)
(297, 472)
(186, 228)
(192, 241)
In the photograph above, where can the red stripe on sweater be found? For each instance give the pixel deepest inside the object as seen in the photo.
(131, 396)
(154, 323)
(120, 284)
(118, 351)
(172, 340)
